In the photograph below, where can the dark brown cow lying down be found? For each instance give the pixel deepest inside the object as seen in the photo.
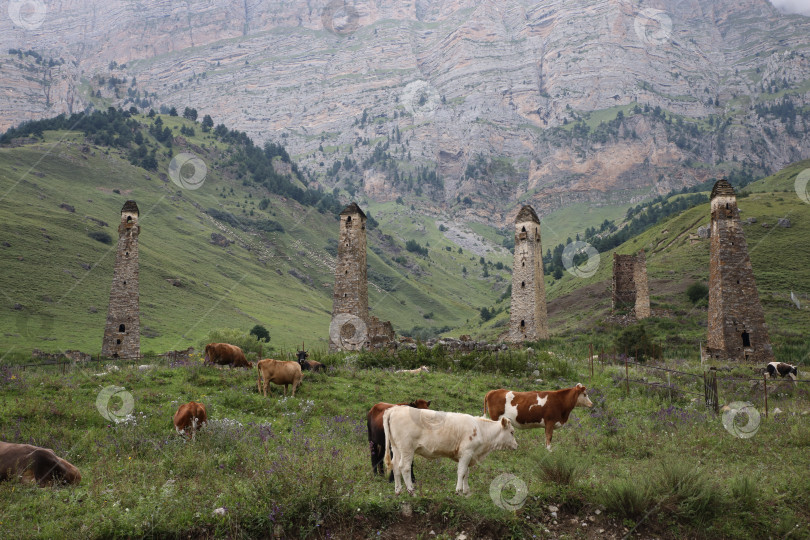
(376, 434)
(35, 464)
(226, 354)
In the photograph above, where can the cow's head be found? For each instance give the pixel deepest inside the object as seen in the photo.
(582, 396)
(507, 435)
(302, 356)
(420, 404)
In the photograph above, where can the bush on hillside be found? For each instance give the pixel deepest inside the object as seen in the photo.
(101, 236)
(635, 341)
(697, 291)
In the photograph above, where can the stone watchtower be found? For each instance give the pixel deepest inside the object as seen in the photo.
(122, 335)
(350, 297)
(630, 288)
(529, 318)
(737, 328)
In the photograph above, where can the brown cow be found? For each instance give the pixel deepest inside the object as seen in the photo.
(190, 417)
(226, 354)
(376, 434)
(279, 372)
(529, 410)
(35, 464)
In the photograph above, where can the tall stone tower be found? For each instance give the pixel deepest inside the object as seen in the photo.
(630, 288)
(737, 329)
(529, 318)
(349, 330)
(122, 334)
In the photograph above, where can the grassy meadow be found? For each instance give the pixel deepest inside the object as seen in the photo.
(657, 464)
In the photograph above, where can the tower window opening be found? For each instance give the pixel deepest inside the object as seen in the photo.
(523, 264)
(523, 229)
(122, 328)
(129, 219)
(522, 284)
(118, 342)
(746, 339)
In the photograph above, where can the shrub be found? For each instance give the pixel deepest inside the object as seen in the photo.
(697, 291)
(101, 236)
(261, 333)
(630, 498)
(560, 468)
(686, 492)
(636, 342)
(744, 492)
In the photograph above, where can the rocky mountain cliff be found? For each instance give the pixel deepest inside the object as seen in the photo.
(472, 105)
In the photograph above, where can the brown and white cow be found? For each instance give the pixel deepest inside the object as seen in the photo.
(421, 369)
(782, 369)
(35, 464)
(189, 418)
(460, 437)
(376, 433)
(529, 410)
(226, 354)
(279, 372)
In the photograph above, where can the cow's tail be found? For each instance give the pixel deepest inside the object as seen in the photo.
(258, 378)
(387, 430)
(486, 409)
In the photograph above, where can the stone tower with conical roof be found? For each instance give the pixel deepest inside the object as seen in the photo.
(122, 334)
(349, 330)
(737, 329)
(529, 318)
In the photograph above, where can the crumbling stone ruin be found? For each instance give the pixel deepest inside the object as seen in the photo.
(122, 336)
(529, 317)
(630, 288)
(737, 329)
(351, 328)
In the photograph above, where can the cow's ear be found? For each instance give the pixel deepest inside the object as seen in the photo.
(429, 403)
(579, 385)
(504, 422)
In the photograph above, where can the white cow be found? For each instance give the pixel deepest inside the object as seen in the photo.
(460, 437)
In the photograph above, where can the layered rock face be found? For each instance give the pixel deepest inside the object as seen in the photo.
(457, 79)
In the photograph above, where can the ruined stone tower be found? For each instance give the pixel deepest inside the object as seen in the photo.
(528, 320)
(630, 289)
(349, 330)
(737, 328)
(122, 334)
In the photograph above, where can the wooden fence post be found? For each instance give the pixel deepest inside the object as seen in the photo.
(626, 375)
(765, 380)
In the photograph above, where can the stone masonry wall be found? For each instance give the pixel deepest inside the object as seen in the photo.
(630, 288)
(528, 317)
(350, 296)
(122, 337)
(736, 329)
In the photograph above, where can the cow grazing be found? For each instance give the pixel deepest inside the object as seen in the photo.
(35, 464)
(226, 354)
(376, 434)
(529, 410)
(189, 418)
(422, 369)
(278, 372)
(309, 365)
(782, 369)
(460, 437)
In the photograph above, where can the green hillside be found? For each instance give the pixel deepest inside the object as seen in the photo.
(55, 279)
(676, 258)
(59, 187)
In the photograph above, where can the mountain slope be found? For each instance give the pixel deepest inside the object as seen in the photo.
(55, 279)
(532, 90)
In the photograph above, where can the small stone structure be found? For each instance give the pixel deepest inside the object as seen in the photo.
(630, 288)
(122, 335)
(736, 329)
(351, 328)
(529, 316)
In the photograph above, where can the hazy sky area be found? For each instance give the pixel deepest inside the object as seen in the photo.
(793, 6)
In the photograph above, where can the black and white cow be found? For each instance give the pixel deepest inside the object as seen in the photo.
(782, 369)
